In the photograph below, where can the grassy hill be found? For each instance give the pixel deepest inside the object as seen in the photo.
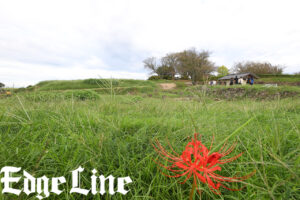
(91, 83)
(92, 88)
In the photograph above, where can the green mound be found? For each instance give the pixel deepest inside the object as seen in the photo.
(91, 83)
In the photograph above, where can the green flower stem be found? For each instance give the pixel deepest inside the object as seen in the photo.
(192, 191)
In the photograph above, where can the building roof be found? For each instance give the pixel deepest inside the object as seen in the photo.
(242, 75)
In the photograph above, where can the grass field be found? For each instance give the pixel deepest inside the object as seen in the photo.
(285, 78)
(47, 133)
(280, 80)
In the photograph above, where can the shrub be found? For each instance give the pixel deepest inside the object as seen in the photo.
(167, 77)
(30, 88)
(21, 89)
(81, 95)
(214, 78)
(154, 77)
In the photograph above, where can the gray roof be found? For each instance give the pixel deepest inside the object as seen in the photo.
(242, 75)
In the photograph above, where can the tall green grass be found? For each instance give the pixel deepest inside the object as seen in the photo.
(113, 134)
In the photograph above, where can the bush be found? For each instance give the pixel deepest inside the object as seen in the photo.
(81, 95)
(214, 78)
(167, 77)
(21, 89)
(155, 77)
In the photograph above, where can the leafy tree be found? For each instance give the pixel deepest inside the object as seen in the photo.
(195, 64)
(189, 63)
(222, 71)
(150, 63)
(170, 63)
(165, 70)
(257, 68)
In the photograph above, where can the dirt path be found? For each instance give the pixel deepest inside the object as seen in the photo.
(167, 86)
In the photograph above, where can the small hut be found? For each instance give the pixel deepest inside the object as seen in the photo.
(241, 78)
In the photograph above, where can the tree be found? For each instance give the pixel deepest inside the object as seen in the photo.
(170, 62)
(297, 73)
(150, 63)
(257, 68)
(189, 63)
(165, 70)
(222, 71)
(195, 64)
(2, 85)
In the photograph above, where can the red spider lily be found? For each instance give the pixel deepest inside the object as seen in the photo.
(198, 162)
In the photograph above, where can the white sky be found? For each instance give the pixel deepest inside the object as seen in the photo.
(70, 39)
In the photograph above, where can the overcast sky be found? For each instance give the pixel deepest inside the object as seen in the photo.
(62, 39)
